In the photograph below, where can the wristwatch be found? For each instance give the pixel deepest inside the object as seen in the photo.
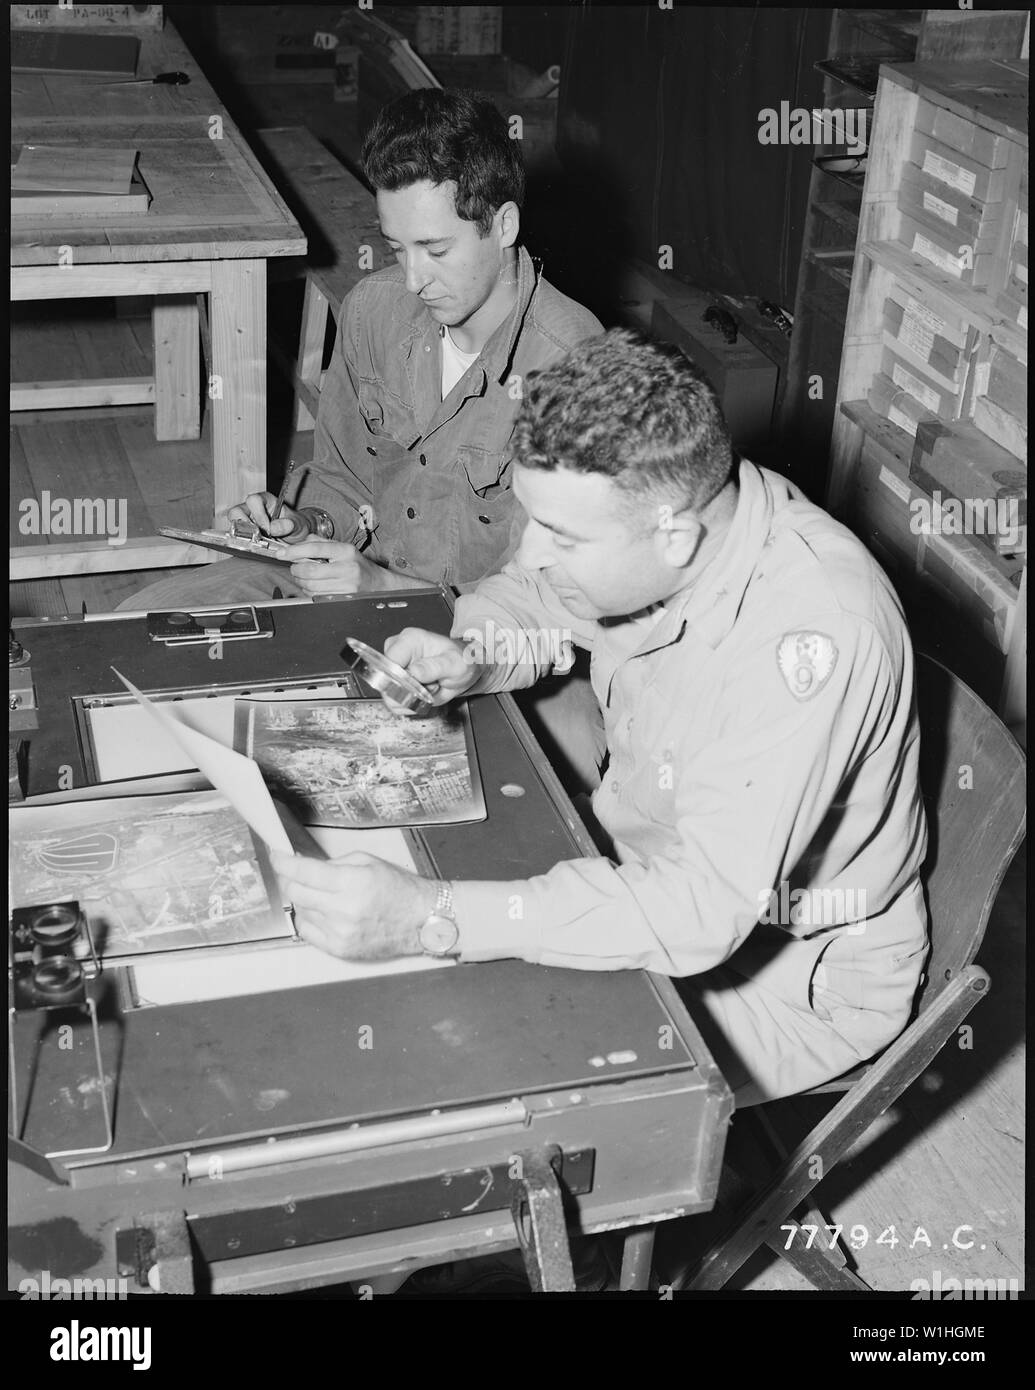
(438, 934)
(320, 523)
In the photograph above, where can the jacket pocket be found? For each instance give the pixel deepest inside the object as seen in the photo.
(486, 470)
(386, 418)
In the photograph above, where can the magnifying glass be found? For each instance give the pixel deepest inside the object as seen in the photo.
(390, 679)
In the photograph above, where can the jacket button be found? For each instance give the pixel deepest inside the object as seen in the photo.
(371, 451)
(401, 562)
(410, 513)
(487, 520)
(423, 461)
(614, 786)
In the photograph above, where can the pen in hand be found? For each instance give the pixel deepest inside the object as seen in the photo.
(282, 494)
(278, 506)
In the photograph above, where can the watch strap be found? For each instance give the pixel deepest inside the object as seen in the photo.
(444, 901)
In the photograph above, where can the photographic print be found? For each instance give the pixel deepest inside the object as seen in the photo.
(161, 873)
(354, 763)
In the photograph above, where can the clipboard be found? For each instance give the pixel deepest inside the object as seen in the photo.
(257, 547)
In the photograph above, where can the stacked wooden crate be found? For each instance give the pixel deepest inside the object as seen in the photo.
(531, 119)
(285, 45)
(473, 29)
(929, 447)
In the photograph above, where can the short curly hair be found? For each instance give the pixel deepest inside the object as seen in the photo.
(447, 136)
(637, 411)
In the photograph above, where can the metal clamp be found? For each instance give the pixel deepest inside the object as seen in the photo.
(156, 1252)
(538, 1210)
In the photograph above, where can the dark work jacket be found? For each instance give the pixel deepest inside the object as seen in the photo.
(436, 474)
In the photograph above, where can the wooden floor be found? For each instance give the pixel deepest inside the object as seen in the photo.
(106, 452)
(945, 1167)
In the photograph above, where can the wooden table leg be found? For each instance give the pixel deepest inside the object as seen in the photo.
(310, 349)
(174, 328)
(237, 387)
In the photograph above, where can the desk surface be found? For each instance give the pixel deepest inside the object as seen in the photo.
(238, 1069)
(606, 1067)
(211, 198)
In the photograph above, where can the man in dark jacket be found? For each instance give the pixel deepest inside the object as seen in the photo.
(410, 478)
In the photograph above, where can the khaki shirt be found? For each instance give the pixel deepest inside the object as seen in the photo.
(433, 474)
(763, 765)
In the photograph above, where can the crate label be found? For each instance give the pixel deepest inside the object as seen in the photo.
(903, 421)
(914, 386)
(896, 485)
(982, 375)
(943, 210)
(926, 248)
(66, 15)
(1020, 227)
(1022, 317)
(949, 173)
(1021, 272)
(920, 325)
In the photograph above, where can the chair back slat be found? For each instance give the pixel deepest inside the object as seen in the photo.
(972, 775)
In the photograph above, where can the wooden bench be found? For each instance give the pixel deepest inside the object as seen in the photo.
(338, 215)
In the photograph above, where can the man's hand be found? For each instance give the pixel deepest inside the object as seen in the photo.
(443, 664)
(356, 907)
(259, 507)
(333, 567)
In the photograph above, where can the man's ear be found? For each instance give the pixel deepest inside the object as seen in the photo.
(679, 535)
(508, 222)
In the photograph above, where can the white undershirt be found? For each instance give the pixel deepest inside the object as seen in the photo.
(454, 362)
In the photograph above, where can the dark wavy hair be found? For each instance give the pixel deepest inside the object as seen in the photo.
(635, 410)
(447, 136)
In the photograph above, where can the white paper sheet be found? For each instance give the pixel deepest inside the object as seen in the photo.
(128, 743)
(229, 976)
(387, 844)
(186, 979)
(237, 777)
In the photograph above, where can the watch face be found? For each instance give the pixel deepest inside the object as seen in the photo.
(438, 935)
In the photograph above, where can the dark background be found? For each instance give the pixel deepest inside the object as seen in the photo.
(657, 133)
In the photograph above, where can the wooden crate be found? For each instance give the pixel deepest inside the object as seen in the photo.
(960, 602)
(502, 79)
(472, 29)
(956, 364)
(259, 44)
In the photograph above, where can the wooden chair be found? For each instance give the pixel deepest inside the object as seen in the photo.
(974, 834)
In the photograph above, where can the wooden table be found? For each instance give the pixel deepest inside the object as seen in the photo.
(214, 221)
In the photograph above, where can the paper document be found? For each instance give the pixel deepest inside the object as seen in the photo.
(127, 743)
(237, 777)
(260, 972)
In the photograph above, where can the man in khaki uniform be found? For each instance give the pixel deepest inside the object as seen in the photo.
(756, 679)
